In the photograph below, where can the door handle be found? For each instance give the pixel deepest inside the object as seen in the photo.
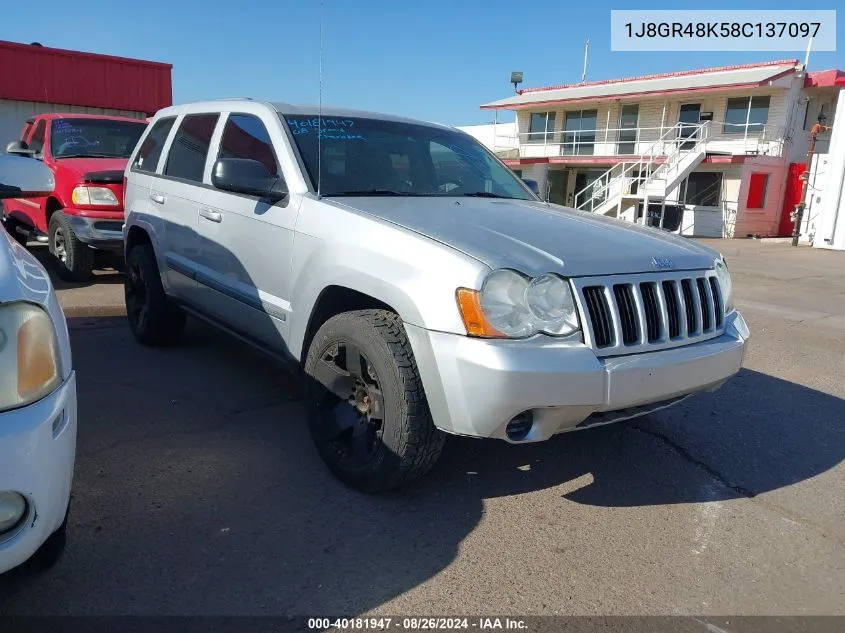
(157, 198)
(208, 214)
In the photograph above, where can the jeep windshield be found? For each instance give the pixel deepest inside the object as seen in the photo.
(375, 157)
(94, 138)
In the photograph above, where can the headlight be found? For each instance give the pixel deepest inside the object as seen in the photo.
(510, 305)
(550, 300)
(29, 355)
(725, 284)
(94, 196)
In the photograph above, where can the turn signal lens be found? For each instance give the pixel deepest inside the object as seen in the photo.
(29, 355)
(38, 371)
(469, 304)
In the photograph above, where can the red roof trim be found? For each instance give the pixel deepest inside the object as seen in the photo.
(681, 73)
(46, 50)
(51, 116)
(831, 78)
(534, 104)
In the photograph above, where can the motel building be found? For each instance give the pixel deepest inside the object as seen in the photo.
(717, 152)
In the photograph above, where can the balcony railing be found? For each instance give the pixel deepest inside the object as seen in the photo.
(725, 138)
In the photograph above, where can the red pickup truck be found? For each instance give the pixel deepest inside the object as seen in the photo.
(87, 155)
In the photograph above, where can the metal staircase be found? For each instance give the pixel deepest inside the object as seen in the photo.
(652, 176)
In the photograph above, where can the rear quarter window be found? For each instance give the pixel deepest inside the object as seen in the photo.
(151, 146)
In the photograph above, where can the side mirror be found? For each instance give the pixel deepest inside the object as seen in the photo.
(22, 178)
(532, 185)
(19, 148)
(244, 175)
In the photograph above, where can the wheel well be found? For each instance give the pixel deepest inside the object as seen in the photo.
(335, 300)
(135, 237)
(53, 205)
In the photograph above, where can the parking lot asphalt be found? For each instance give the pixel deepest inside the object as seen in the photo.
(197, 490)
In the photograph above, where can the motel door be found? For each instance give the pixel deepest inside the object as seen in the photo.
(690, 113)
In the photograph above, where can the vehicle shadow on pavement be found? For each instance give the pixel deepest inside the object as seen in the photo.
(107, 268)
(198, 490)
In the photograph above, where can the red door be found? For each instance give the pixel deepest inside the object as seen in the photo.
(791, 198)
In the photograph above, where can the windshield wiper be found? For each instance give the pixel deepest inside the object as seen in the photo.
(486, 194)
(372, 192)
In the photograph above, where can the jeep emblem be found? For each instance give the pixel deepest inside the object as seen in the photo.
(662, 262)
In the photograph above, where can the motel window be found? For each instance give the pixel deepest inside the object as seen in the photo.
(746, 113)
(702, 189)
(580, 132)
(758, 187)
(541, 127)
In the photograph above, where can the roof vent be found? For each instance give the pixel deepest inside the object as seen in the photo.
(36, 44)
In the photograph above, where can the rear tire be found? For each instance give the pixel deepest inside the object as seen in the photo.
(363, 451)
(74, 259)
(153, 319)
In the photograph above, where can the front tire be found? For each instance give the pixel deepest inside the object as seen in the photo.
(371, 425)
(73, 259)
(11, 226)
(152, 318)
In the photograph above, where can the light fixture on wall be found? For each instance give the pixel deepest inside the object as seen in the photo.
(516, 79)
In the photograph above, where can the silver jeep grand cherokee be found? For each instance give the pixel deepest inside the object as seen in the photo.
(418, 283)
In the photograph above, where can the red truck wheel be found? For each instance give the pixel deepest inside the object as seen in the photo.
(74, 259)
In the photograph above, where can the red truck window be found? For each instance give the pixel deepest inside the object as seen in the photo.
(36, 142)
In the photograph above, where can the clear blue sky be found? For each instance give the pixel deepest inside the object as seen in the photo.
(432, 59)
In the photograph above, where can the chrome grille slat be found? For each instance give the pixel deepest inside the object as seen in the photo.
(626, 314)
(641, 314)
(628, 319)
(654, 327)
(717, 301)
(669, 295)
(706, 303)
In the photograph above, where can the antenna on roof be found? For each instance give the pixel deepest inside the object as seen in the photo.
(586, 50)
(320, 113)
(809, 48)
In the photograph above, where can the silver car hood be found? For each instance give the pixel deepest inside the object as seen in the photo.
(22, 278)
(535, 237)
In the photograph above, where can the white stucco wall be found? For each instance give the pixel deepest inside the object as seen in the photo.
(831, 212)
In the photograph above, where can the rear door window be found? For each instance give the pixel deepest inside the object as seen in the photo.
(189, 149)
(153, 143)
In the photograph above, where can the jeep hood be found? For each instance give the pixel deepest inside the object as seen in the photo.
(534, 237)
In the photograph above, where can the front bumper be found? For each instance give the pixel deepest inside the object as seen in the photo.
(475, 387)
(37, 452)
(100, 229)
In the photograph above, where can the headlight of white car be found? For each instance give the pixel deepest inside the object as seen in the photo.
(511, 305)
(91, 196)
(725, 283)
(29, 355)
